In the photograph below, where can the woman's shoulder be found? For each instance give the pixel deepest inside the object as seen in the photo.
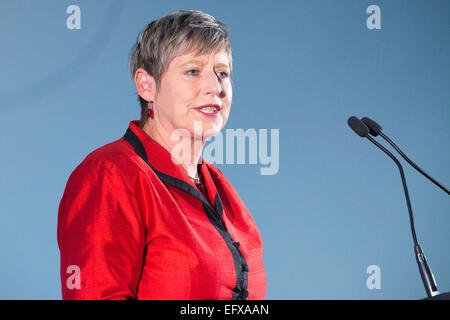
(116, 158)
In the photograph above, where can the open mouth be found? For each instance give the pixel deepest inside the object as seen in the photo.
(209, 109)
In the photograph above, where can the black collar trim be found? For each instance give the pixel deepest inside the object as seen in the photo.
(214, 216)
(137, 145)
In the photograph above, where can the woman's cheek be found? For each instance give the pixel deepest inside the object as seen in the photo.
(227, 112)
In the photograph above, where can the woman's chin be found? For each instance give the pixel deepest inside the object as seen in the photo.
(207, 128)
(212, 129)
(206, 134)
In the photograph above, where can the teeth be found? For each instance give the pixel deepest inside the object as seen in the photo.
(209, 109)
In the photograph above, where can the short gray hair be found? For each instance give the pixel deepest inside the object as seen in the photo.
(178, 33)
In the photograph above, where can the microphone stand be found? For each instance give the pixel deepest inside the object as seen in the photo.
(425, 270)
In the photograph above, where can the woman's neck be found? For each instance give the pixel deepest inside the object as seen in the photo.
(185, 150)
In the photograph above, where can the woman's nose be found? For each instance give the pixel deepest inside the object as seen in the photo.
(211, 84)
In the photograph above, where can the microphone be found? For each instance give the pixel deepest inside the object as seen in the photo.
(375, 130)
(426, 274)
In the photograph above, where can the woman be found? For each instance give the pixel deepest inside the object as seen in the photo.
(145, 217)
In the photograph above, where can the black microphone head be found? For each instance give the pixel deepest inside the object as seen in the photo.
(374, 128)
(358, 126)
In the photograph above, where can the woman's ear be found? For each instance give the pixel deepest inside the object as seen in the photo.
(145, 84)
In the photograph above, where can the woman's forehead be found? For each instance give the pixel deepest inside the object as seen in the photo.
(218, 58)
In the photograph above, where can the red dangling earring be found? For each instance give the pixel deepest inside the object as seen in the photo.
(150, 113)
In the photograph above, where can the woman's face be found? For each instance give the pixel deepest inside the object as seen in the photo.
(192, 81)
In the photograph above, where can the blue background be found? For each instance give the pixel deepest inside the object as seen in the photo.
(336, 205)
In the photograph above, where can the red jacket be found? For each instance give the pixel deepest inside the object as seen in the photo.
(132, 225)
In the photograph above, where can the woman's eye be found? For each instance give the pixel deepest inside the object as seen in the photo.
(223, 74)
(193, 72)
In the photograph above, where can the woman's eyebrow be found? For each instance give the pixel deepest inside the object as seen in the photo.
(198, 62)
(201, 63)
(224, 65)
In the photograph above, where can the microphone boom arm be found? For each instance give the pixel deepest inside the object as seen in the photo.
(412, 163)
(425, 271)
